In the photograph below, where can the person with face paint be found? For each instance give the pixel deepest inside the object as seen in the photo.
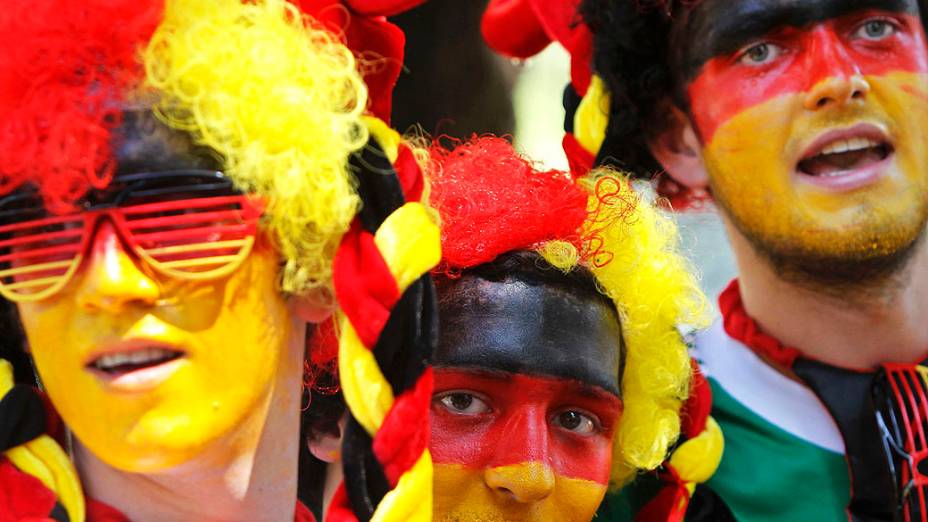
(174, 193)
(559, 369)
(806, 123)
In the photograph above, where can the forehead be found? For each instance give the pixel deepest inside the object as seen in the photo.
(142, 143)
(530, 329)
(717, 27)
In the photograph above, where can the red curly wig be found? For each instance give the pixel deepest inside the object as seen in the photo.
(64, 62)
(492, 200)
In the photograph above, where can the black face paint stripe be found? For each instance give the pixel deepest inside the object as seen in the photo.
(722, 27)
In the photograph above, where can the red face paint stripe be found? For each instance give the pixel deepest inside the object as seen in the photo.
(519, 427)
(810, 56)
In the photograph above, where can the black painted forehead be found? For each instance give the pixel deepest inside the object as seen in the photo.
(721, 27)
(533, 329)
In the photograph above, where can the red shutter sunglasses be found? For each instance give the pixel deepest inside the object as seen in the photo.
(189, 224)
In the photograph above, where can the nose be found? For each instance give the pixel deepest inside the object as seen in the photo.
(524, 483)
(111, 280)
(837, 91)
(838, 78)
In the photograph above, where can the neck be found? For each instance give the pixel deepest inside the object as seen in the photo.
(247, 475)
(885, 323)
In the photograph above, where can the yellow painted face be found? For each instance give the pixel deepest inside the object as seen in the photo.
(516, 493)
(752, 162)
(228, 336)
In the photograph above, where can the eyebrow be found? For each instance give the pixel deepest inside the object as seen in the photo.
(744, 21)
(492, 365)
(584, 389)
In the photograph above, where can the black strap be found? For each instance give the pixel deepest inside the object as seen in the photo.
(22, 416)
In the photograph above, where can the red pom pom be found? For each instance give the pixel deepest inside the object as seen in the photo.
(493, 201)
(65, 65)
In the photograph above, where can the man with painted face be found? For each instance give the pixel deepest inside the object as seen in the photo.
(174, 183)
(559, 369)
(807, 122)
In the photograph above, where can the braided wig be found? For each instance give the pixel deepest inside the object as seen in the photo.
(495, 203)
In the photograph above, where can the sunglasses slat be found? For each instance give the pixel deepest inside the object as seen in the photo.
(41, 267)
(35, 223)
(199, 262)
(70, 248)
(183, 204)
(32, 283)
(182, 249)
(48, 236)
(173, 235)
(183, 219)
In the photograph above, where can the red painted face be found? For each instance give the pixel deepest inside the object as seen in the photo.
(486, 421)
(813, 119)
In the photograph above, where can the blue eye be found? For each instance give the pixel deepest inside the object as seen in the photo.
(875, 29)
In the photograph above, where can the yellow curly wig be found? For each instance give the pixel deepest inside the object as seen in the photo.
(634, 257)
(281, 101)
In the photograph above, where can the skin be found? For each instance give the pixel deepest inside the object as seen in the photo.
(525, 404)
(217, 438)
(793, 72)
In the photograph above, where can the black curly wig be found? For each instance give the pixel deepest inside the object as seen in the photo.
(631, 52)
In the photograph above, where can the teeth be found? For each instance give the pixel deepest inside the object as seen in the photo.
(134, 357)
(853, 144)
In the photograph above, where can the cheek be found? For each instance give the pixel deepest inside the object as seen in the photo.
(457, 439)
(587, 457)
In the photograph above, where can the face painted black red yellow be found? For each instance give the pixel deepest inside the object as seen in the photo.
(813, 117)
(526, 401)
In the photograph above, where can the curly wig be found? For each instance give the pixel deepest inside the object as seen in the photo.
(493, 202)
(279, 100)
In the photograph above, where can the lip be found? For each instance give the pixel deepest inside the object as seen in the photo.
(852, 179)
(143, 379)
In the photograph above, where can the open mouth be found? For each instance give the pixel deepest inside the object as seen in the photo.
(120, 363)
(843, 156)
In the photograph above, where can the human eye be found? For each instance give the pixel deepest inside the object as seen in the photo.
(463, 403)
(760, 53)
(875, 29)
(577, 421)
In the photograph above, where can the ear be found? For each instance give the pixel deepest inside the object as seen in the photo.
(678, 150)
(327, 447)
(315, 306)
